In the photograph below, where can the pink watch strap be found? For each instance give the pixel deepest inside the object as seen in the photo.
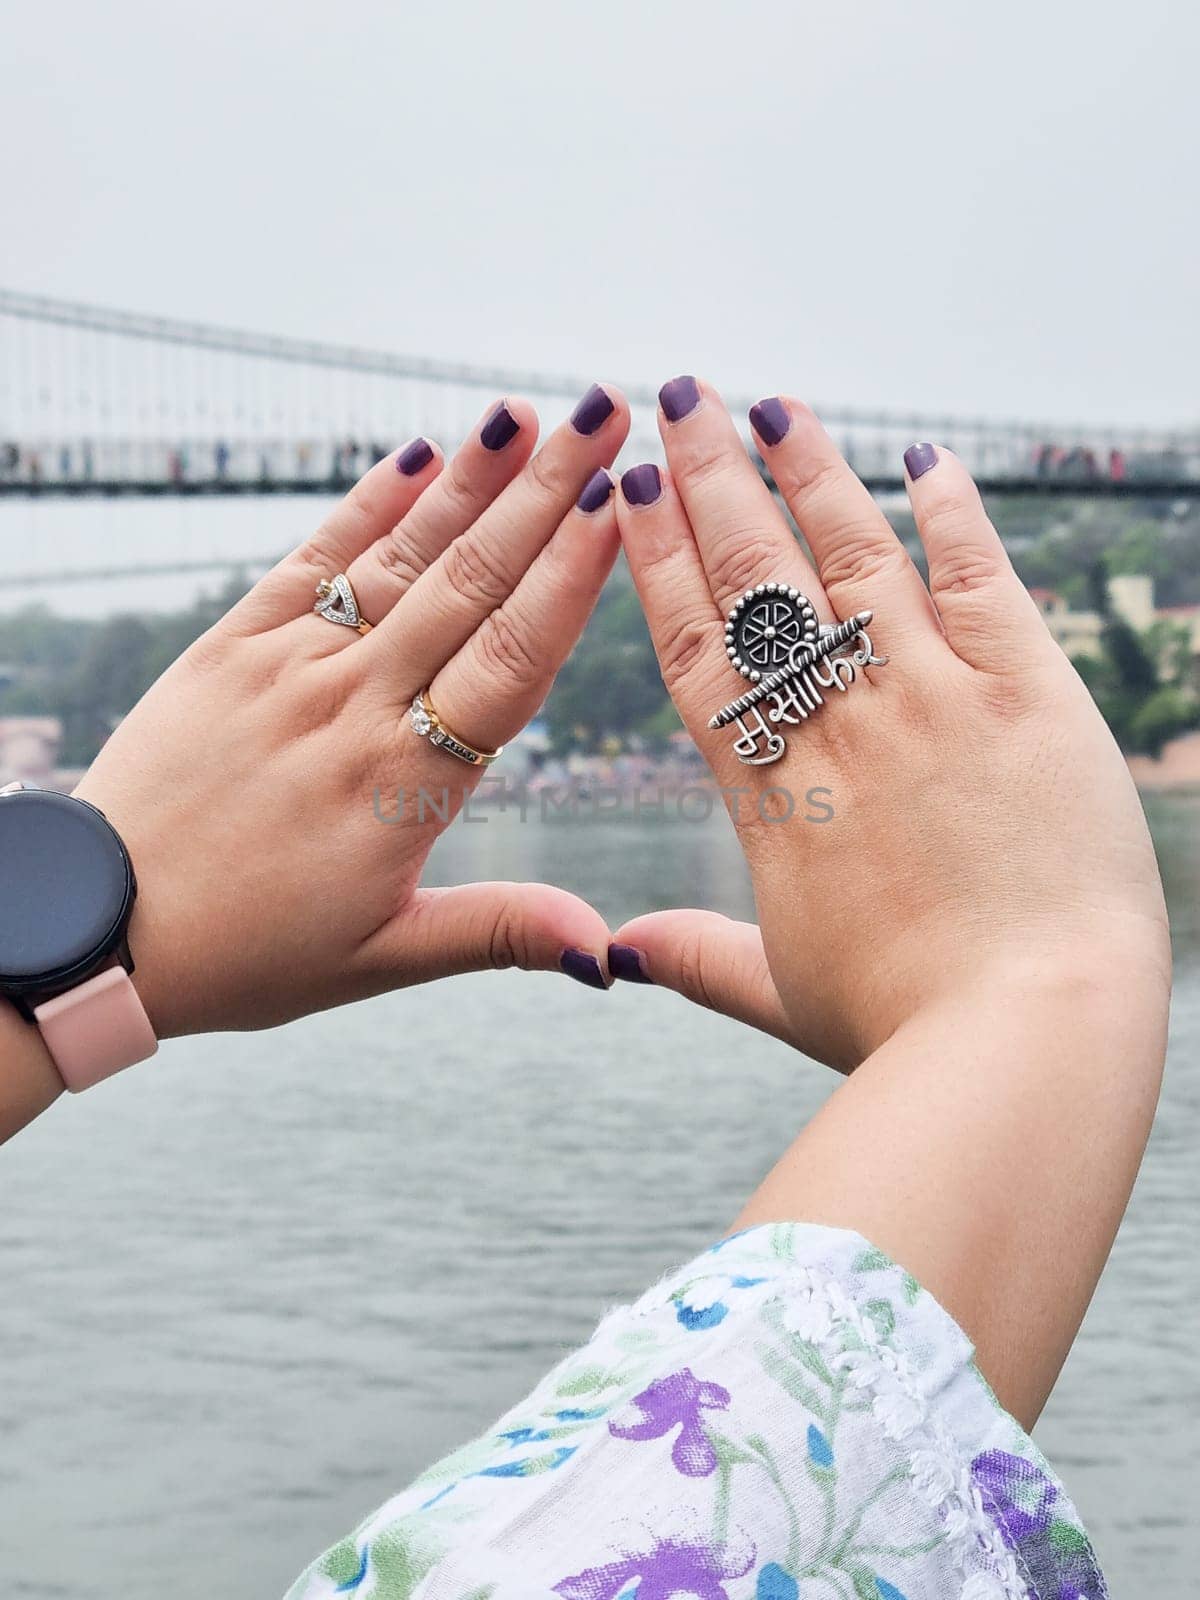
(96, 1029)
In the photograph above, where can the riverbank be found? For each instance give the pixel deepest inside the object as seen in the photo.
(602, 785)
(1177, 768)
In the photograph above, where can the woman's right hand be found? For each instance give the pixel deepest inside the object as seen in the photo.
(984, 820)
(979, 932)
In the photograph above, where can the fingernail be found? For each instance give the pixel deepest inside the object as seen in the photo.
(583, 968)
(918, 458)
(595, 491)
(592, 412)
(414, 457)
(627, 963)
(679, 398)
(501, 428)
(642, 485)
(770, 420)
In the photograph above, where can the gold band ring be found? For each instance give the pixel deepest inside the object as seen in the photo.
(429, 725)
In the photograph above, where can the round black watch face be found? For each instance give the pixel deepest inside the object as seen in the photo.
(66, 886)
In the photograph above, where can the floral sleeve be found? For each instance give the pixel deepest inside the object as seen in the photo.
(787, 1417)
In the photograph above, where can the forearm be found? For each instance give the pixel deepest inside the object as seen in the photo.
(990, 1146)
(29, 1081)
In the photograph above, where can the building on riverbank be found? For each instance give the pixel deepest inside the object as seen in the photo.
(29, 749)
(1132, 599)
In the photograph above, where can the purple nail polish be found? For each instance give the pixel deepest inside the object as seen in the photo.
(595, 491)
(592, 412)
(642, 485)
(628, 964)
(501, 428)
(583, 968)
(414, 457)
(918, 458)
(679, 398)
(770, 420)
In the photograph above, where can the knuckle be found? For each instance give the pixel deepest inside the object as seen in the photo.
(353, 519)
(808, 476)
(449, 506)
(863, 553)
(684, 644)
(962, 570)
(695, 970)
(551, 479)
(317, 558)
(330, 693)
(506, 651)
(399, 558)
(358, 513)
(360, 501)
(213, 648)
(456, 499)
(508, 945)
(701, 465)
(474, 574)
(742, 563)
(946, 518)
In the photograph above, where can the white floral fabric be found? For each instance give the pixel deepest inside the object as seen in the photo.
(789, 1416)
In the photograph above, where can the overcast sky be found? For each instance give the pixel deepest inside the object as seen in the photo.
(937, 204)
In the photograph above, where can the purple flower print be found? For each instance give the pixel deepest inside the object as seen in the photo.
(1054, 1554)
(672, 1570)
(1018, 1494)
(676, 1401)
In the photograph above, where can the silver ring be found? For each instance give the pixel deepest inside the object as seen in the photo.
(336, 603)
(773, 638)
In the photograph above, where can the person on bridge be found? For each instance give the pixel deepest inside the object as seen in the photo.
(835, 1397)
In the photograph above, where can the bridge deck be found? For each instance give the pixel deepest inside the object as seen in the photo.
(1134, 488)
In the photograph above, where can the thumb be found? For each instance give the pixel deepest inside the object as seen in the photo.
(480, 925)
(711, 959)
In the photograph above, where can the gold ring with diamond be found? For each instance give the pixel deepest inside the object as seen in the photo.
(429, 725)
(336, 603)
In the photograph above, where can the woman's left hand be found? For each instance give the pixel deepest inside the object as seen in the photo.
(255, 785)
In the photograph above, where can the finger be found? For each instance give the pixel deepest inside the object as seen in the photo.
(742, 537)
(687, 628)
(481, 568)
(481, 925)
(990, 619)
(375, 504)
(710, 959)
(490, 458)
(502, 675)
(863, 565)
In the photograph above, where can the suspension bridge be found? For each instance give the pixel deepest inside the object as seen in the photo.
(104, 403)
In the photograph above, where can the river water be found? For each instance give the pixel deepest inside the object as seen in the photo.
(250, 1288)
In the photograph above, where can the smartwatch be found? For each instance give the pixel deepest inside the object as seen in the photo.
(67, 891)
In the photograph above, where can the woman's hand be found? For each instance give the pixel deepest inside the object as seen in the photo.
(980, 929)
(984, 820)
(256, 784)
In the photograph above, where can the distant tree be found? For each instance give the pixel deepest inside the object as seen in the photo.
(611, 684)
(1166, 714)
(112, 674)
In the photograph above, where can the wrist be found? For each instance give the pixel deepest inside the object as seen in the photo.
(29, 1080)
(1088, 1003)
(151, 976)
(68, 892)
